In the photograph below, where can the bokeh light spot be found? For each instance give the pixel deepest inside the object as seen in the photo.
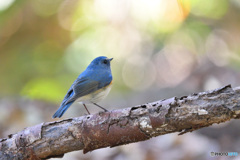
(174, 64)
(4, 4)
(138, 73)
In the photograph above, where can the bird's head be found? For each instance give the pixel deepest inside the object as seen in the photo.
(101, 62)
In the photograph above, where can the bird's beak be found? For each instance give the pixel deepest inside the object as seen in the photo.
(110, 59)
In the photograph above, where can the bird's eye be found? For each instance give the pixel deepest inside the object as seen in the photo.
(105, 61)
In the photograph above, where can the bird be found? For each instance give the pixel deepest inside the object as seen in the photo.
(90, 87)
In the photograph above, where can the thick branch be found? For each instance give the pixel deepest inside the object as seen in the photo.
(123, 126)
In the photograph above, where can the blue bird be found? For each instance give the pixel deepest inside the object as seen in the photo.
(91, 86)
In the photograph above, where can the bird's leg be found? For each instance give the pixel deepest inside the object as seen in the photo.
(101, 107)
(86, 108)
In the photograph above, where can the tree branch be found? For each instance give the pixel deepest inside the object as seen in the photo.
(123, 126)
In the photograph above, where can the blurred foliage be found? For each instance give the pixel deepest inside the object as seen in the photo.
(44, 45)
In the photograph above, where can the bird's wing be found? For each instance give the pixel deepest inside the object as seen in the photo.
(81, 87)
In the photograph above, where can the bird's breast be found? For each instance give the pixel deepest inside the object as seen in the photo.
(96, 96)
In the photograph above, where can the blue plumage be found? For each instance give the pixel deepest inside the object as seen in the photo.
(62, 109)
(91, 86)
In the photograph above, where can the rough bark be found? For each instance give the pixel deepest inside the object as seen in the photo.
(123, 126)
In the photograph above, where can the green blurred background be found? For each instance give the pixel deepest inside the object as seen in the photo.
(161, 48)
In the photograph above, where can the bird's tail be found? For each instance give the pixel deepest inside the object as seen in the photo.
(61, 110)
